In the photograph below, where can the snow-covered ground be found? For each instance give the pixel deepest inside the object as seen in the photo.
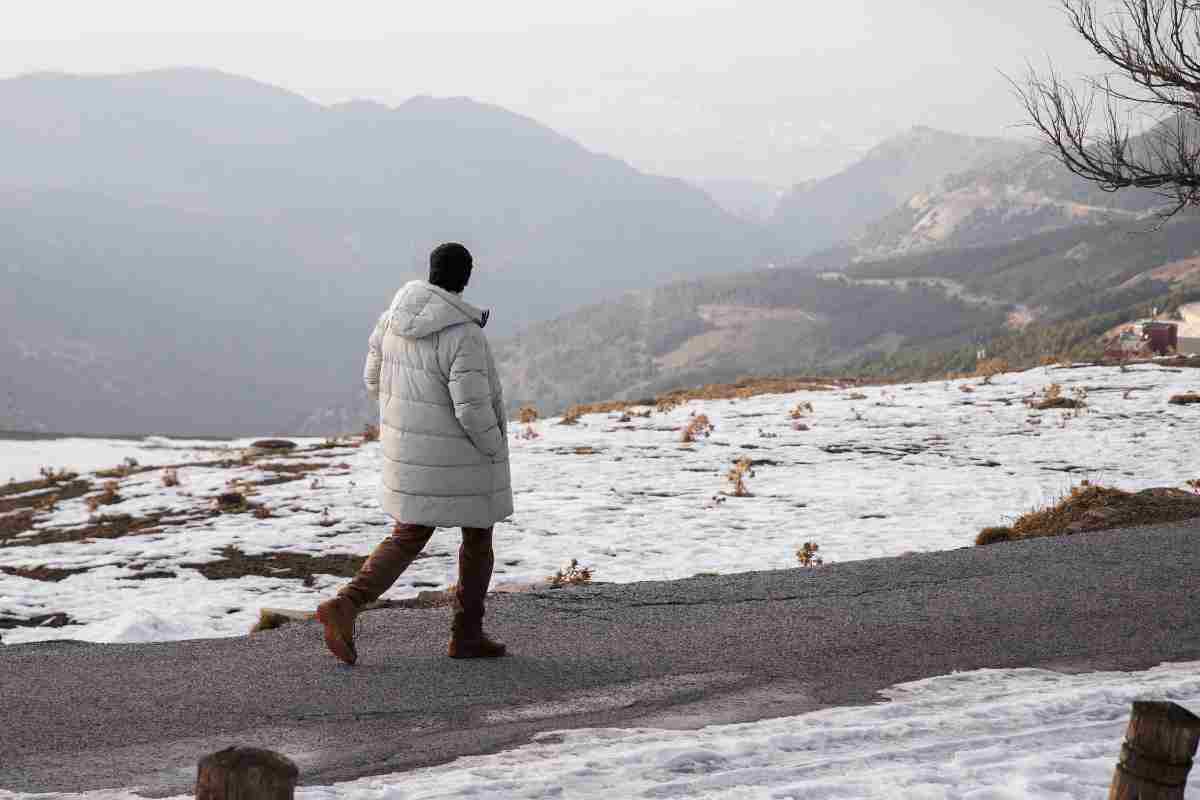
(21, 459)
(1006, 734)
(909, 468)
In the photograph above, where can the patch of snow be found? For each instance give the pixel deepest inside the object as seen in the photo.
(20, 460)
(1001, 734)
(915, 467)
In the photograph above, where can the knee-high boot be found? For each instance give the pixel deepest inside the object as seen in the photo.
(386, 563)
(475, 562)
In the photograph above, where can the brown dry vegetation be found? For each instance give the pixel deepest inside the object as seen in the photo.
(42, 572)
(280, 564)
(1185, 399)
(103, 526)
(742, 468)
(801, 410)
(35, 494)
(108, 496)
(990, 368)
(14, 524)
(55, 620)
(698, 427)
(571, 575)
(1088, 507)
(129, 467)
(807, 555)
(740, 390)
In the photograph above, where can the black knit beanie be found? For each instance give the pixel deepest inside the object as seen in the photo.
(450, 266)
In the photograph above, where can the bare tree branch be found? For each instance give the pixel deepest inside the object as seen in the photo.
(1154, 49)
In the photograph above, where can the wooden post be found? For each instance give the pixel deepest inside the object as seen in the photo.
(246, 773)
(1157, 754)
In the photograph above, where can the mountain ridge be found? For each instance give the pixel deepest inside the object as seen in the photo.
(818, 214)
(257, 234)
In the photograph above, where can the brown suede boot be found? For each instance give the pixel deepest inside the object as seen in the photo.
(338, 615)
(475, 562)
(389, 559)
(467, 640)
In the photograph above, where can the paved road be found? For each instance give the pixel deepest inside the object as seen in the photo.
(713, 649)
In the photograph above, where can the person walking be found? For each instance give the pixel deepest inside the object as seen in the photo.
(444, 443)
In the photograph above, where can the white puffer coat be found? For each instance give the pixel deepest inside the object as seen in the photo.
(442, 427)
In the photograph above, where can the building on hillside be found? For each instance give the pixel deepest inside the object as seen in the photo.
(1150, 337)
(1162, 336)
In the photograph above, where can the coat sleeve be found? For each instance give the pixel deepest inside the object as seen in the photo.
(471, 391)
(375, 359)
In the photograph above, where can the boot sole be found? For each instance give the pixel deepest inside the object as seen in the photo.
(342, 649)
(476, 654)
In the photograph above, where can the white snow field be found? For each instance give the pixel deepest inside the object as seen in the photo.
(1009, 734)
(909, 468)
(21, 459)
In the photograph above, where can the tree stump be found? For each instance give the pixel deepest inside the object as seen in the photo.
(246, 773)
(1157, 754)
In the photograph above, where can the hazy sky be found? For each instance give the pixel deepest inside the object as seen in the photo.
(776, 91)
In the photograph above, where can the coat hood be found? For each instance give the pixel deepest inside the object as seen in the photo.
(420, 309)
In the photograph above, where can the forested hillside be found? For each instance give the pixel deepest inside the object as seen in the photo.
(917, 316)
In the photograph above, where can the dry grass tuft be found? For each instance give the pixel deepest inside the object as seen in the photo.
(170, 477)
(1052, 397)
(1185, 399)
(107, 497)
(124, 470)
(571, 415)
(807, 555)
(527, 415)
(269, 619)
(698, 427)
(996, 533)
(571, 574)
(230, 503)
(990, 368)
(743, 468)
(1090, 507)
(52, 476)
(668, 403)
(800, 410)
(370, 433)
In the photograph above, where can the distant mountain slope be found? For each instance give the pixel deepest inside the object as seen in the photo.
(872, 317)
(222, 247)
(1001, 201)
(718, 329)
(750, 200)
(821, 213)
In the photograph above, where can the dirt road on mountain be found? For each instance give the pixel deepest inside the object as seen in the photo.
(685, 653)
